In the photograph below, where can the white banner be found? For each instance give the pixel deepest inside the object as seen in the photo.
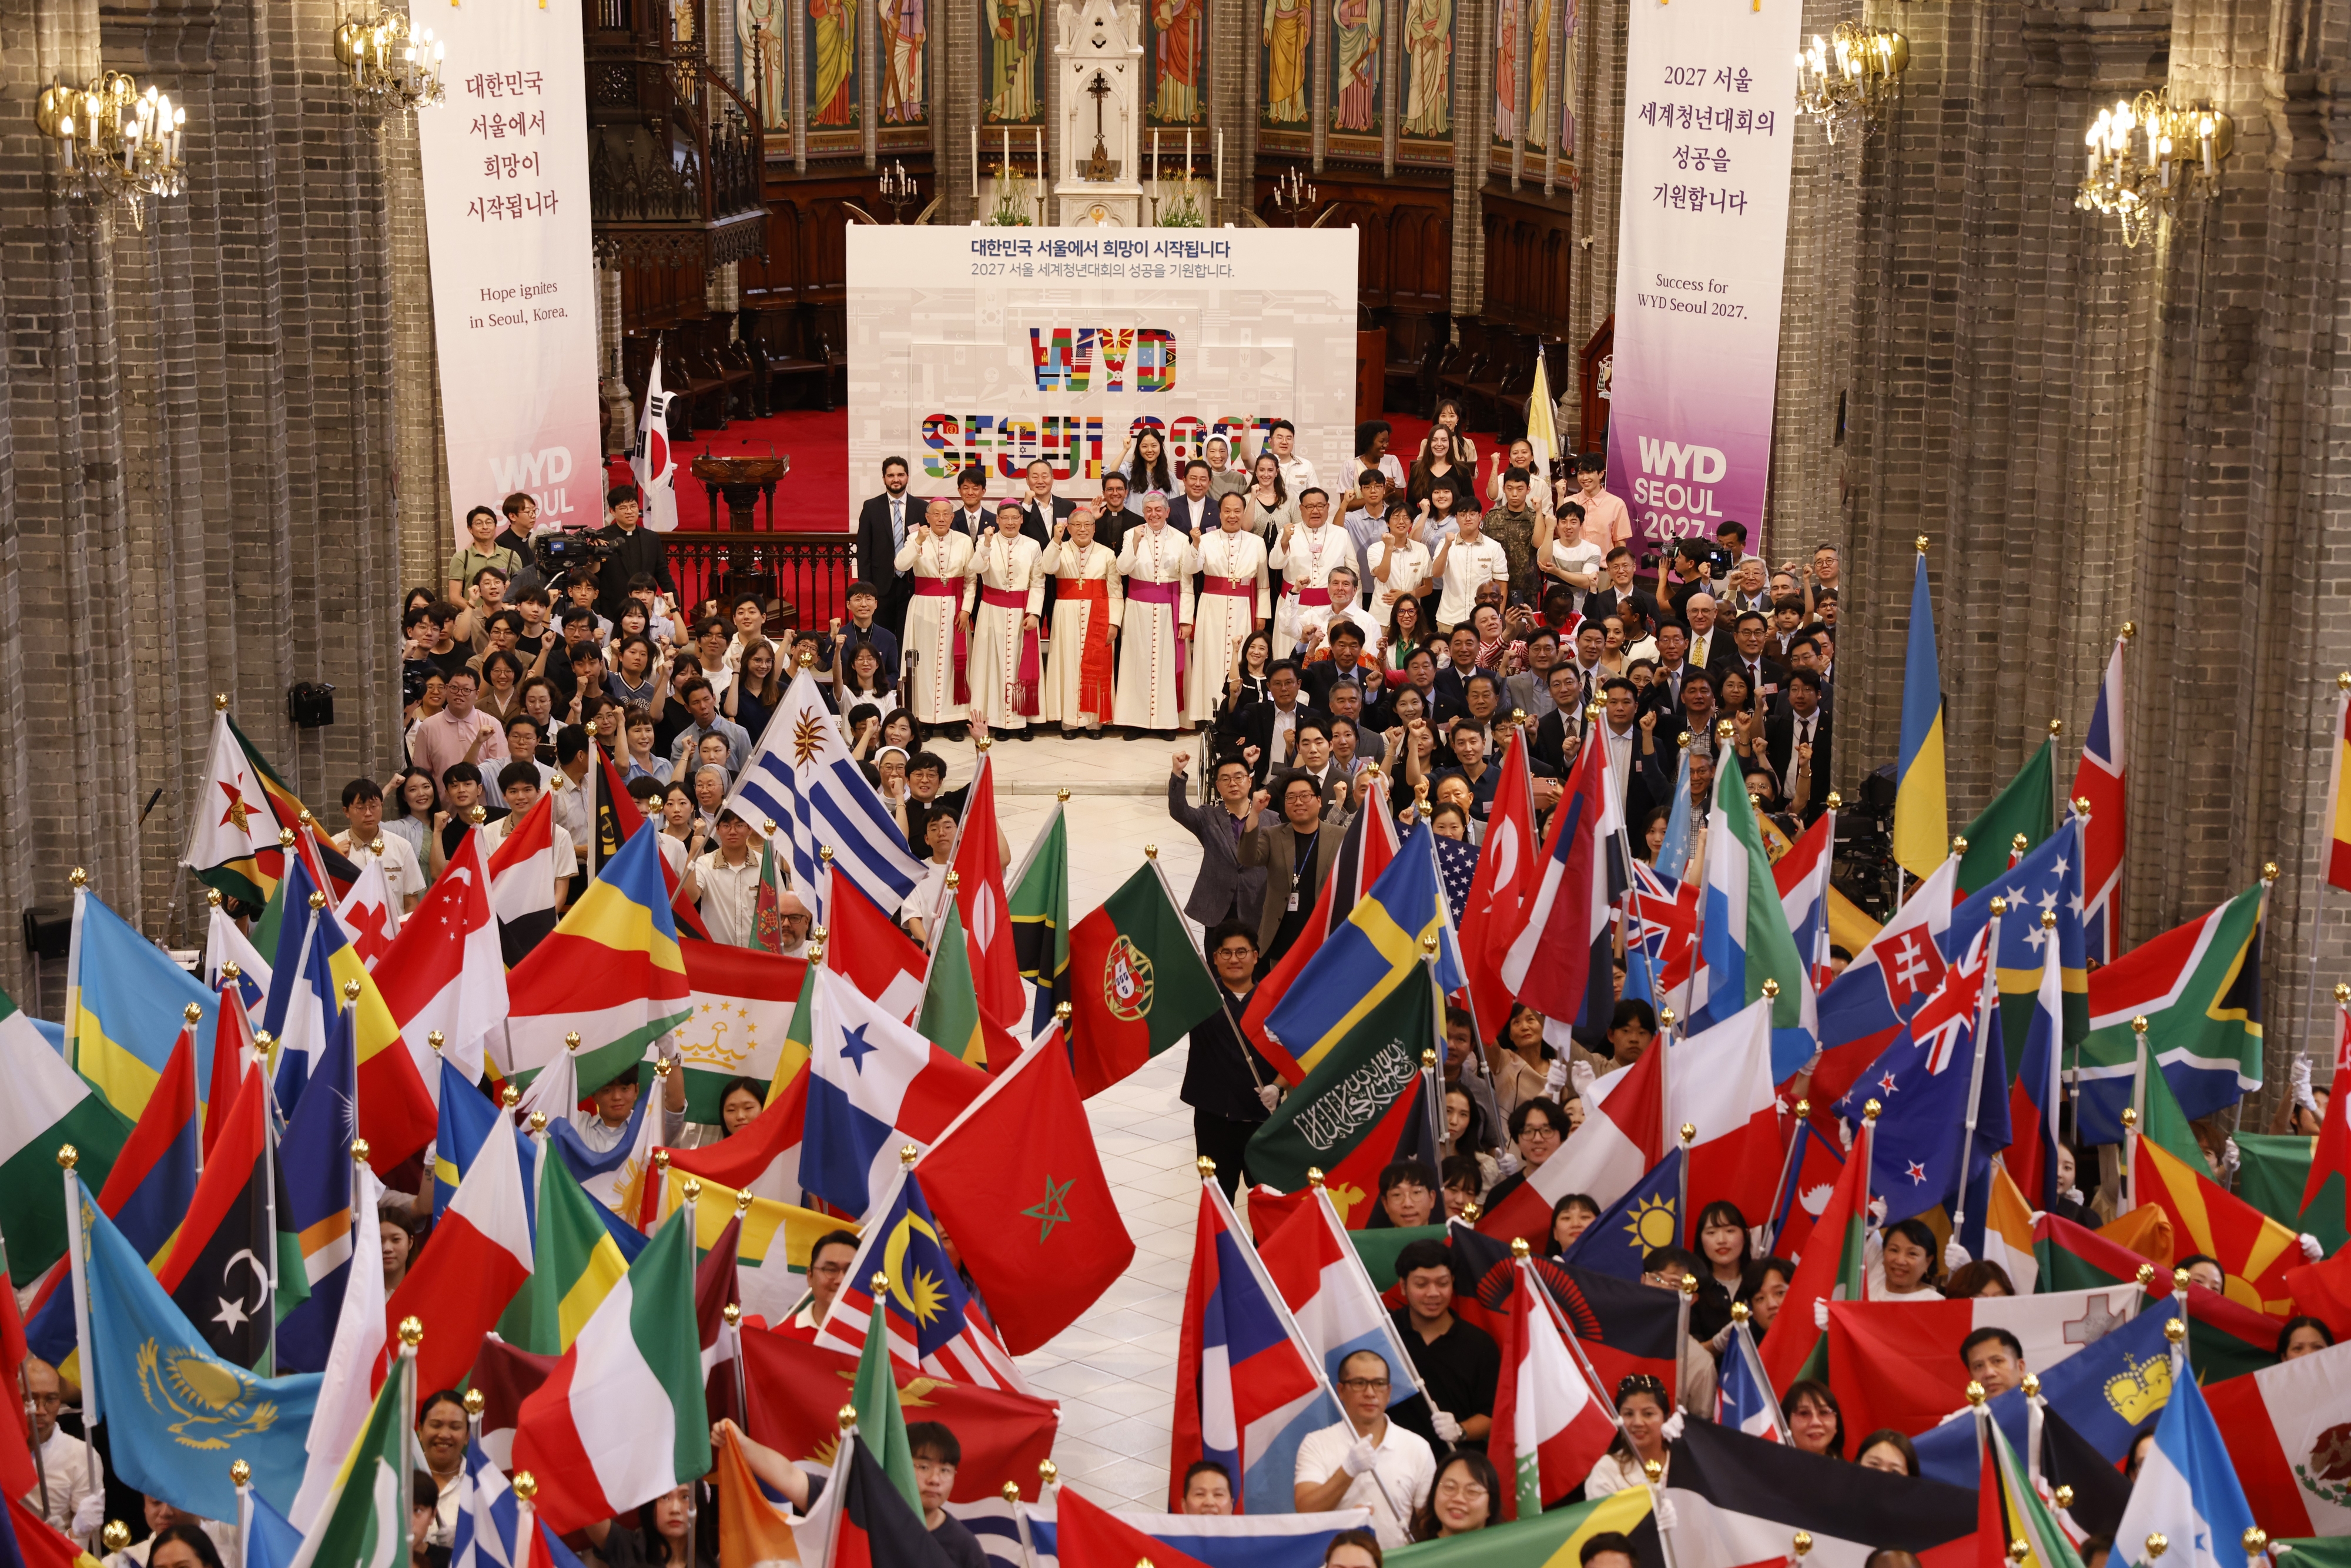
(513, 283)
(1710, 110)
(999, 346)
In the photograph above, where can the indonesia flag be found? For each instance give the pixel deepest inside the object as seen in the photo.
(651, 462)
(447, 975)
(986, 910)
(2099, 780)
(368, 912)
(480, 1256)
(1549, 1425)
(1491, 919)
(1866, 1006)
(1559, 964)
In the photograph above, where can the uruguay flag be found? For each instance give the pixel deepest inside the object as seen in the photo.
(1745, 940)
(801, 778)
(1313, 1263)
(2187, 1490)
(1247, 1390)
(1743, 1399)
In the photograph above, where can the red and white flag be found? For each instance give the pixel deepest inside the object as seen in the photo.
(2288, 1432)
(1561, 954)
(444, 971)
(522, 875)
(986, 910)
(864, 943)
(1496, 910)
(1551, 1426)
(653, 462)
(480, 1256)
(368, 912)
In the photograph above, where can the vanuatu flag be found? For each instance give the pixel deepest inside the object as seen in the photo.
(1366, 1104)
(1137, 983)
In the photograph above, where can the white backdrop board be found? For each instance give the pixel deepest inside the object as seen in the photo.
(513, 283)
(997, 346)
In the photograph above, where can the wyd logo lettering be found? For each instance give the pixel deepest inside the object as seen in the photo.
(1126, 982)
(1064, 358)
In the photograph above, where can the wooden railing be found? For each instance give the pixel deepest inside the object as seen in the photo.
(810, 571)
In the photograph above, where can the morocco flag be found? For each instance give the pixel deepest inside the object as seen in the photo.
(1549, 1426)
(1020, 1187)
(622, 1418)
(1137, 983)
(2288, 1431)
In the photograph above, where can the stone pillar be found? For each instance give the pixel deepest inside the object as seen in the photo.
(1599, 98)
(1473, 129)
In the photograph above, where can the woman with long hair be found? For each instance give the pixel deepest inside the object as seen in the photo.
(1724, 1249)
(1440, 458)
(1465, 1127)
(757, 690)
(1408, 628)
(664, 1536)
(1889, 1450)
(1245, 683)
(408, 807)
(1147, 467)
(1815, 1420)
(1448, 420)
(1904, 1270)
(1272, 510)
(1225, 477)
(1520, 1059)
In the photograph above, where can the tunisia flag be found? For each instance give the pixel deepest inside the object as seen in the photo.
(1015, 1180)
(986, 911)
(1495, 912)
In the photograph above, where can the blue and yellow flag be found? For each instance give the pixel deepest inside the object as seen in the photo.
(125, 1006)
(1922, 817)
(175, 1414)
(1359, 965)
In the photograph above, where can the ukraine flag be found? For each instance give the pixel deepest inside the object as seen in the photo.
(126, 1003)
(1922, 820)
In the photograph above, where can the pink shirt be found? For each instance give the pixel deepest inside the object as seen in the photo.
(1606, 523)
(441, 742)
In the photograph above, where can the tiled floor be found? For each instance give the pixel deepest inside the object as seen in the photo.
(1114, 1370)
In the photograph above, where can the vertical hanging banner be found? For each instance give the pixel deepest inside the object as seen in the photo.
(514, 282)
(1701, 250)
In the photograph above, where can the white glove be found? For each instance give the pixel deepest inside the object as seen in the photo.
(1821, 1312)
(1579, 1074)
(1447, 1430)
(1555, 1077)
(1270, 1096)
(1666, 1518)
(1672, 1429)
(1506, 1161)
(89, 1514)
(2310, 1247)
(2231, 1156)
(1360, 1458)
(2303, 1095)
(1954, 1255)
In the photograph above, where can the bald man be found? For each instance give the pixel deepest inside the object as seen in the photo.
(795, 918)
(77, 1481)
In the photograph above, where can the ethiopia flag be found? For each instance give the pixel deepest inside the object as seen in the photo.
(1137, 985)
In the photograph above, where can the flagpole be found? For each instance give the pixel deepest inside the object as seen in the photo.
(526, 1487)
(1787, 1174)
(2034, 1412)
(1821, 942)
(1047, 1471)
(240, 1475)
(269, 1197)
(1314, 1181)
(595, 771)
(1249, 1054)
(2134, 1114)
(1986, 1001)
(734, 1315)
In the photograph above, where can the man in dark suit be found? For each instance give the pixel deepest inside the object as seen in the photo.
(1566, 718)
(1192, 510)
(1114, 517)
(1269, 728)
(974, 519)
(1223, 890)
(1664, 689)
(1297, 853)
(1040, 509)
(884, 524)
(1618, 588)
(1766, 676)
(1804, 722)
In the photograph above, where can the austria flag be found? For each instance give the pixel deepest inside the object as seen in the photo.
(447, 974)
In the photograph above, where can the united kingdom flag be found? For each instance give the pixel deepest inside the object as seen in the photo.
(2099, 780)
(1661, 914)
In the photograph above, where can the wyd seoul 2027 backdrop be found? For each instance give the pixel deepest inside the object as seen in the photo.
(999, 346)
(1701, 248)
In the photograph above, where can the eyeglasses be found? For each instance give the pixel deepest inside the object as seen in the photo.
(1540, 1130)
(1467, 1492)
(1363, 1384)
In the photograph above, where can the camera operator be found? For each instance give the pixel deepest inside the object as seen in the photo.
(634, 549)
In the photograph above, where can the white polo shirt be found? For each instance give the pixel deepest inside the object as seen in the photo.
(1405, 1469)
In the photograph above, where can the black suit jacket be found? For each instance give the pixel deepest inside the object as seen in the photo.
(1549, 745)
(640, 550)
(1181, 516)
(1774, 677)
(1036, 525)
(1779, 743)
(877, 553)
(1599, 606)
(1257, 729)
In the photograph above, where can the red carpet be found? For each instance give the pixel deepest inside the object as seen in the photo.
(812, 497)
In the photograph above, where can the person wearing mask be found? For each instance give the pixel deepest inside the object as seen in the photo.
(1230, 1088)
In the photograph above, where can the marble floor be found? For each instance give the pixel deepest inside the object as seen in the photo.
(1114, 1370)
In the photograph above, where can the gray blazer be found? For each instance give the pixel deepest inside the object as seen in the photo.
(1528, 693)
(1225, 889)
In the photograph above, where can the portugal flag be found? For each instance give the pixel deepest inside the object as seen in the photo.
(1137, 983)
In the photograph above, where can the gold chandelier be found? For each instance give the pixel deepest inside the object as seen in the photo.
(389, 68)
(2144, 154)
(118, 144)
(1846, 79)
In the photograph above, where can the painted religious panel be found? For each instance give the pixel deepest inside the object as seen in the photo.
(1540, 48)
(1012, 70)
(1567, 83)
(1506, 80)
(1355, 78)
(1426, 134)
(1175, 56)
(760, 45)
(1286, 40)
(830, 47)
(903, 54)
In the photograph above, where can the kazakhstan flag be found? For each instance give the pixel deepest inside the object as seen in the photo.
(176, 1414)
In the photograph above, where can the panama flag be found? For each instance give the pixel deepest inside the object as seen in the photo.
(2186, 1491)
(650, 462)
(1312, 1259)
(867, 1071)
(1248, 1389)
(2099, 780)
(1549, 1425)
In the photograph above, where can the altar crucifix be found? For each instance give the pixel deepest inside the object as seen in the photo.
(1101, 167)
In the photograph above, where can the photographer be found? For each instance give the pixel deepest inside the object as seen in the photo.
(634, 550)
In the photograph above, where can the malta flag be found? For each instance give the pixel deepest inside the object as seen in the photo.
(1491, 919)
(621, 1420)
(2288, 1430)
(2099, 780)
(446, 973)
(368, 914)
(522, 881)
(651, 463)
(1017, 1181)
(987, 910)
(1559, 962)
(1549, 1425)
(480, 1256)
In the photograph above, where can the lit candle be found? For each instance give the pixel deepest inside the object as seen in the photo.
(2204, 143)
(1038, 141)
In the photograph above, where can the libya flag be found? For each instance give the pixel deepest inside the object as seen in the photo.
(1365, 1105)
(1136, 982)
(1553, 1539)
(1040, 902)
(2274, 1175)
(48, 1104)
(2026, 808)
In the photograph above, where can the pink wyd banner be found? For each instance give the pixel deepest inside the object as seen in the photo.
(1710, 87)
(513, 284)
